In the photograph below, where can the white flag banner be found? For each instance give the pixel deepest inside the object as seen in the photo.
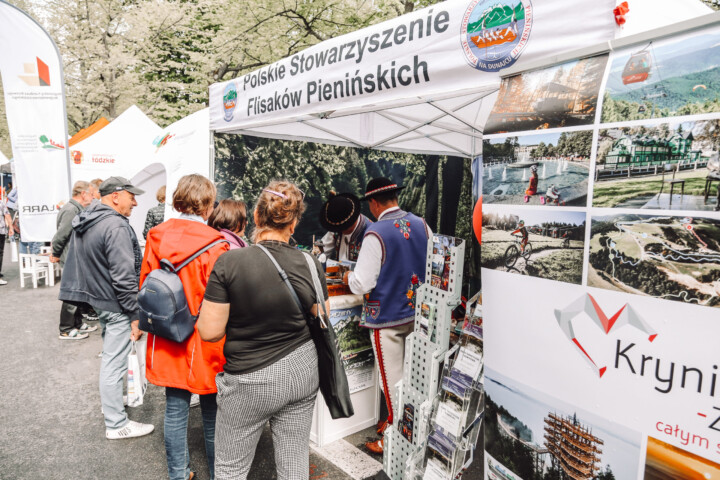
(35, 107)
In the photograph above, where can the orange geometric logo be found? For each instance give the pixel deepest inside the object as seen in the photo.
(36, 74)
(587, 304)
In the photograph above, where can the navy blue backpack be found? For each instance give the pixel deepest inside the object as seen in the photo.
(163, 306)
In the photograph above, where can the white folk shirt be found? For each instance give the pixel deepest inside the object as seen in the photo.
(329, 243)
(367, 270)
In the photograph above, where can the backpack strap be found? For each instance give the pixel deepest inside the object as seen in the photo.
(193, 256)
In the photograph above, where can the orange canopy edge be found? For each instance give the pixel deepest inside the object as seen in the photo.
(86, 132)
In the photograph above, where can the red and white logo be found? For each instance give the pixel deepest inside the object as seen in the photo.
(627, 315)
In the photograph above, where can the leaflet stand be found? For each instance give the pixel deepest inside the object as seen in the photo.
(457, 410)
(425, 350)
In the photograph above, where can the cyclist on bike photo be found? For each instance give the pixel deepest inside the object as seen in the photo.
(522, 231)
(533, 185)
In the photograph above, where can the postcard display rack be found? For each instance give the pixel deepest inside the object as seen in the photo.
(419, 445)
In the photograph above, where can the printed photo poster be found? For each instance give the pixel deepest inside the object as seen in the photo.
(671, 165)
(355, 347)
(538, 169)
(661, 256)
(601, 268)
(562, 96)
(669, 77)
(543, 243)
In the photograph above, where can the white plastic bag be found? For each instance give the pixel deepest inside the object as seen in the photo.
(13, 249)
(136, 384)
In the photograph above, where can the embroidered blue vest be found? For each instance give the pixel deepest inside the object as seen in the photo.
(356, 240)
(403, 239)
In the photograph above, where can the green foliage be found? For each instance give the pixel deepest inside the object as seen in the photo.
(244, 165)
(354, 337)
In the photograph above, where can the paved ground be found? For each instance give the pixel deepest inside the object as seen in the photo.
(50, 416)
(50, 421)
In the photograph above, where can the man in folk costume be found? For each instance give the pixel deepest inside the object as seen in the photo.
(390, 268)
(346, 226)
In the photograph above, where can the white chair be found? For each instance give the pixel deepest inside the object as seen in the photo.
(36, 267)
(56, 270)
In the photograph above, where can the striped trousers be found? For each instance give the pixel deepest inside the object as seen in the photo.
(282, 393)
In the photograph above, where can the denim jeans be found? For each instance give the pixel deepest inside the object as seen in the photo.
(116, 348)
(32, 248)
(177, 411)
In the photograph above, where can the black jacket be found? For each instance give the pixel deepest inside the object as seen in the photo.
(61, 240)
(103, 262)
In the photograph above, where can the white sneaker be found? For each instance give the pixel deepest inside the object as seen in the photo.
(73, 334)
(132, 429)
(2, 282)
(87, 328)
(194, 400)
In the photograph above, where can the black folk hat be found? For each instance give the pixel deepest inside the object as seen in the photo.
(340, 212)
(380, 185)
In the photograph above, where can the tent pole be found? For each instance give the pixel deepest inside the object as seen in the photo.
(212, 156)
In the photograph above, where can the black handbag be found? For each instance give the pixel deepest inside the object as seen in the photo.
(333, 380)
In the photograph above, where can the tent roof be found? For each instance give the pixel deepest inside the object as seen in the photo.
(436, 109)
(86, 132)
(3, 159)
(443, 117)
(122, 148)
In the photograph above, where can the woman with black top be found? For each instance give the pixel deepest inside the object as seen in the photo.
(271, 371)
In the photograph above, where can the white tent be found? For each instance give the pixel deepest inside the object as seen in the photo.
(418, 83)
(180, 149)
(3, 159)
(123, 148)
(438, 87)
(645, 15)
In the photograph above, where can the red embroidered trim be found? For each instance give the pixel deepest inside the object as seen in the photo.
(383, 375)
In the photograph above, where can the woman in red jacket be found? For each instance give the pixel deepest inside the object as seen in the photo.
(187, 367)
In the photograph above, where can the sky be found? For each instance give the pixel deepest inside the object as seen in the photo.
(536, 217)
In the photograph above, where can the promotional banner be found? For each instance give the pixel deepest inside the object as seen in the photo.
(33, 83)
(601, 267)
(451, 46)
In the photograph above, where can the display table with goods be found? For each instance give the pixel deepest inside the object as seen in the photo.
(440, 407)
(359, 360)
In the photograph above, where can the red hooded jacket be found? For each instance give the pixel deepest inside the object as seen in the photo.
(193, 364)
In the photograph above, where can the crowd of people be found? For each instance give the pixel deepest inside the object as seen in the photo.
(250, 358)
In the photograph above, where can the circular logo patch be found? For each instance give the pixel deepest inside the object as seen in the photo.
(229, 100)
(495, 32)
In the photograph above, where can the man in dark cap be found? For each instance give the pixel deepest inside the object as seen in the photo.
(72, 326)
(346, 226)
(102, 269)
(390, 268)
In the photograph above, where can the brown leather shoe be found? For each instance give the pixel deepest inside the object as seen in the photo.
(381, 426)
(376, 446)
